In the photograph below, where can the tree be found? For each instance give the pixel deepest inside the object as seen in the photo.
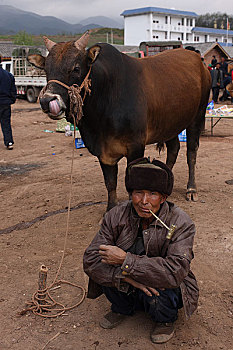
(213, 20)
(23, 38)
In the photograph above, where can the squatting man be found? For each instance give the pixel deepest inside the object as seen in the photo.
(133, 261)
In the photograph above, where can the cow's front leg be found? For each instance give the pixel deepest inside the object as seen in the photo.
(135, 151)
(110, 179)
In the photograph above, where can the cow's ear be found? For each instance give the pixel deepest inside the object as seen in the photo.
(37, 61)
(93, 52)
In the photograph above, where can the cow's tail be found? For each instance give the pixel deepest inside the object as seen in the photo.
(160, 147)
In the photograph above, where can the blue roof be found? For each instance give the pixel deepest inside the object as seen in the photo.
(158, 10)
(212, 30)
(225, 44)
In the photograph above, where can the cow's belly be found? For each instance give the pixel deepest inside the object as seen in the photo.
(155, 136)
(164, 126)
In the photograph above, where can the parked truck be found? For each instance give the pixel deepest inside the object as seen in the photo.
(28, 80)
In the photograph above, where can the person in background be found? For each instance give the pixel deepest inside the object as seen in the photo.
(224, 66)
(7, 98)
(217, 81)
(136, 261)
(226, 78)
(229, 87)
(213, 61)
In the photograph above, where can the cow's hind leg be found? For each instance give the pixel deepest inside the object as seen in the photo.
(193, 134)
(110, 178)
(173, 147)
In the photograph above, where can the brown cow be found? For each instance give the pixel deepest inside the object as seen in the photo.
(133, 102)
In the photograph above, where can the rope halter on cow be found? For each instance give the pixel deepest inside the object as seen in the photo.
(76, 100)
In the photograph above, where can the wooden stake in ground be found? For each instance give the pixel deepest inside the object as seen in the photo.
(42, 284)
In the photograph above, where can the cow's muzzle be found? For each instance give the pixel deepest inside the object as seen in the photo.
(53, 105)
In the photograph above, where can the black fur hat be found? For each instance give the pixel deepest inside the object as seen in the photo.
(141, 174)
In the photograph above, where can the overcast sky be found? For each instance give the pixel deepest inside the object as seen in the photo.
(74, 10)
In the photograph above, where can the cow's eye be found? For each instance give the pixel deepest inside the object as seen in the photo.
(77, 69)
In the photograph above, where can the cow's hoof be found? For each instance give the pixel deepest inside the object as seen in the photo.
(191, 195)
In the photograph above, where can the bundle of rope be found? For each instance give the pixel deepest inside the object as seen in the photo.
(42, 302)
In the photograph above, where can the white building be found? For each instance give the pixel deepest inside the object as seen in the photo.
(206, 35)
(159, 24)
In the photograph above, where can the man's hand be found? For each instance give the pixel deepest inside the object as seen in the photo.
(147, 290)
(112, 255)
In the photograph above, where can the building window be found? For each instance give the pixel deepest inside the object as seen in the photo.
(154, 21)
(196, 38)
(165, 19)
(225, 40)
(191, 22)
(216, 39)
(187, 36)
(187, 22)
(178, 39)
(165, 35)
(206, 38)
(178, 23)
(182, 21)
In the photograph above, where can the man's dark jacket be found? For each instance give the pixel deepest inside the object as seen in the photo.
(7, 88)
(166, 263)
(217, 78)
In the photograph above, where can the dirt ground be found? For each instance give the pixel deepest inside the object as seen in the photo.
(34, 192)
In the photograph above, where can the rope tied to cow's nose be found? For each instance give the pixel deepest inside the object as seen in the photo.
(76, 100)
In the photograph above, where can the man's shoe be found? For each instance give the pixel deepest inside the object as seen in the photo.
(162, 333)
(111, 320)
(10, 145)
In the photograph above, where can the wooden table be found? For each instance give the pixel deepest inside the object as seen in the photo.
(218, 117)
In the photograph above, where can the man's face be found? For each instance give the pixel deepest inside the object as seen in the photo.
(144, 200)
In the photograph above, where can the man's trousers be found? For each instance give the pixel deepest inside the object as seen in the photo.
(162, 308)
(5, 121)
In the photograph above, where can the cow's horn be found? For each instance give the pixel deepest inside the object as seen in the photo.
(48, 43)
(81, 43)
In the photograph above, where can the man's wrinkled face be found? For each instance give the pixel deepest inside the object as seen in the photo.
(144, 201)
